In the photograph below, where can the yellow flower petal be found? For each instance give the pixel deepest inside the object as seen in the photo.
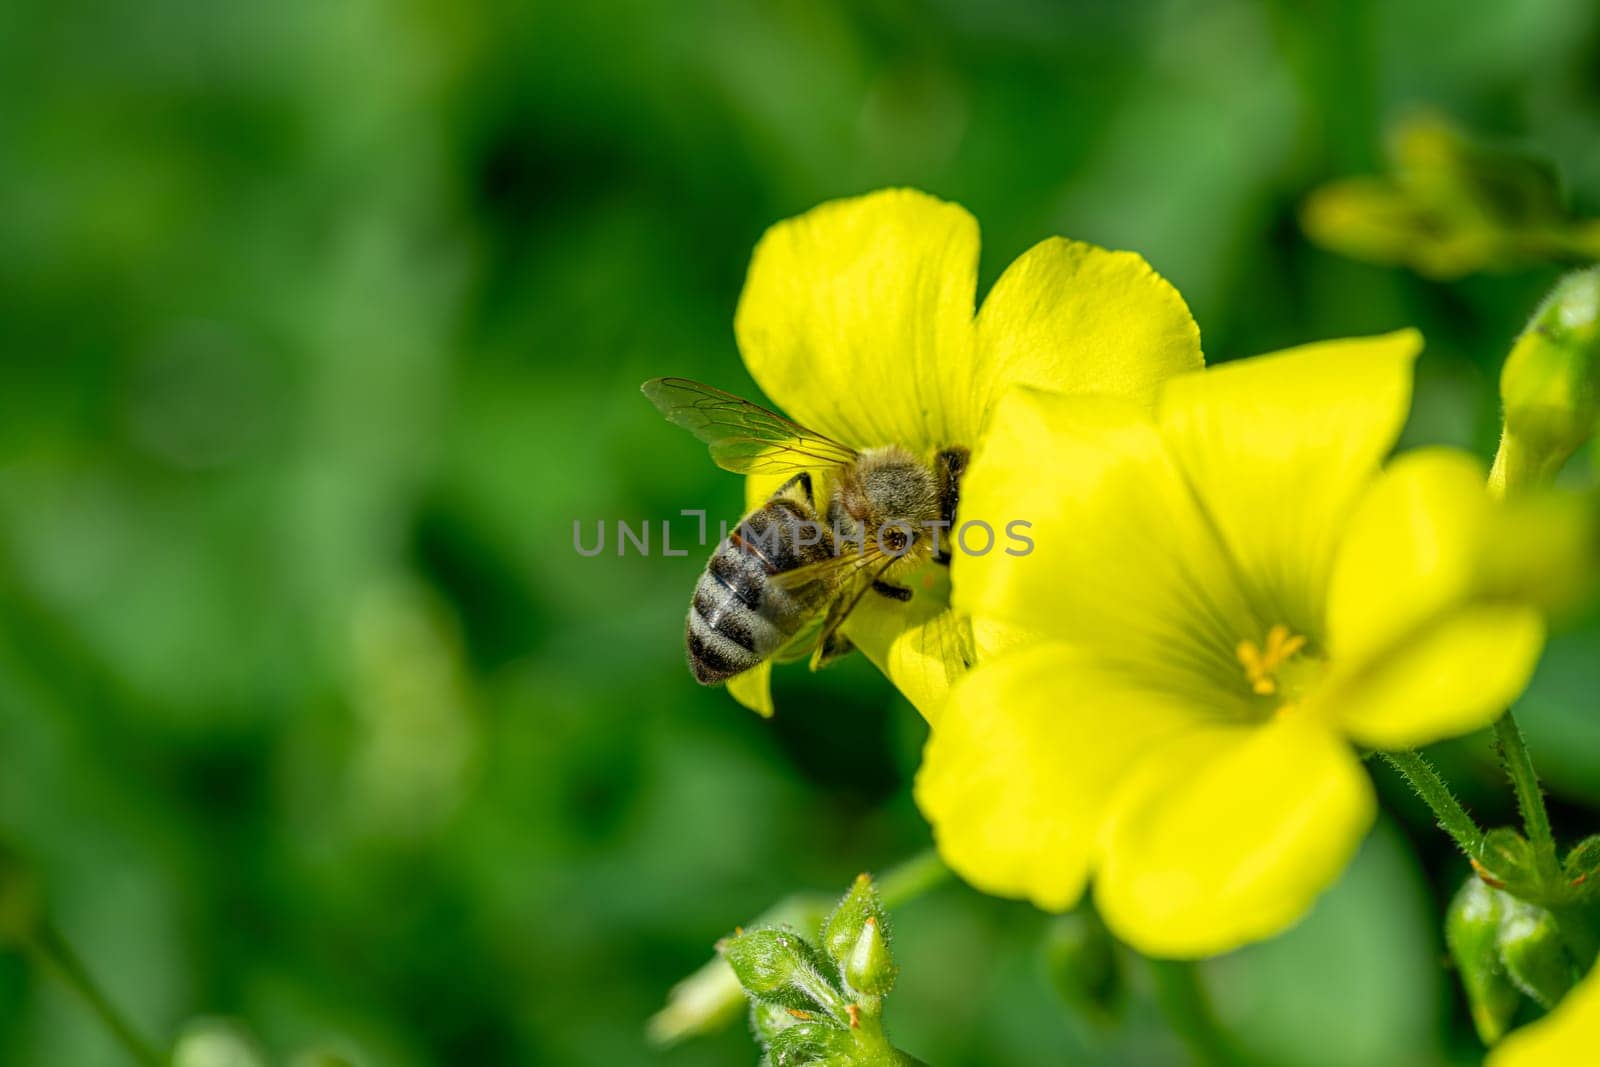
(1568, 1035)
(922, 646)
(856, 317)
(1069, 317)
(753, 689)
(1456, 674)
(1409, 552)
(1227, 835)
(1279, 449)
(1025, 755)
(1420, 651)
(991, 637)
(1123, 563)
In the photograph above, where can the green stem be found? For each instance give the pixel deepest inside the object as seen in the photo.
(1183, 999)
(871, 1040)
(910, 879)
(55, 953)
(1425, 781)
(1530, 798)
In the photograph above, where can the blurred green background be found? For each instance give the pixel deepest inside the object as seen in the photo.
(321, 325)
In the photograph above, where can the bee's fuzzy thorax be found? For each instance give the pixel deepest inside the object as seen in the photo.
(893, 485)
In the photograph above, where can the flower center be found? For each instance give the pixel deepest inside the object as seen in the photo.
(1265, 662)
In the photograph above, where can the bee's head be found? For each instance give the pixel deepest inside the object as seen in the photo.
(895, 539)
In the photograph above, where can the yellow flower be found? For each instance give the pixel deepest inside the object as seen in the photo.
(1568, 1035)
(1232, 593)
(857, 319)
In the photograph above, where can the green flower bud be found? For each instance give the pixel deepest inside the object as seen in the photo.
(870, 967)
(1505, 860)
(1550, 383)
(1582, 866)
(843, 927)
(778, 965)
(1533, 953)
(768, 1020)
(815, 1007)
(811, 1043)
(1083, 966)
(1472, 930)
(711, 998)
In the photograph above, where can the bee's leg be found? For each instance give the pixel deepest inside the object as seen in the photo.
(949, 465)
(890, 590)
(832, 643)
(833, 646)
(801, 482)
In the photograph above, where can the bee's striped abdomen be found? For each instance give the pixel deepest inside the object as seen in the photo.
(737, 618)
(726, 631)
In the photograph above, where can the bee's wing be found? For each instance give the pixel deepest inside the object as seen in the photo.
(745, 438)
(837, 570)
(851, 574)
(855, 588)
(800, 645)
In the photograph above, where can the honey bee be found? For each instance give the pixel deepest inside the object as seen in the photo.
(784, 581)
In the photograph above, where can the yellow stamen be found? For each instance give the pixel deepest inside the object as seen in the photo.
(1260, 663)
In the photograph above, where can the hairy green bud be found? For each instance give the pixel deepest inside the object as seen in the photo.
(711, 997)
(768, 1020)
(1472, 930)
(778, 965)
(1532, 949)
(820, 1006)
(1582, 866)
(870, 966)
(807, 1043)
(1505, 860)
(842, 929)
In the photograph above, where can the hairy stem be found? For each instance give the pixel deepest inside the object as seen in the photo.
(1425, 781)
(1530, 798)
